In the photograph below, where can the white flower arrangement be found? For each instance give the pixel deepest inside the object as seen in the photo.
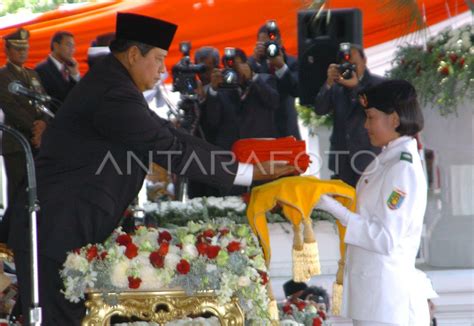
(224, 257)
(209, 208)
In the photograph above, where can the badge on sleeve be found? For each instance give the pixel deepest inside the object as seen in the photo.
(395, 200)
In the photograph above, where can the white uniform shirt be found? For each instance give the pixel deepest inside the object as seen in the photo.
(383, 239)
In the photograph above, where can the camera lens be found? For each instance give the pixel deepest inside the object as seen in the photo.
(272, 50)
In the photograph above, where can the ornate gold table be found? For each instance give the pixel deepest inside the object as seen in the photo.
(159, 307)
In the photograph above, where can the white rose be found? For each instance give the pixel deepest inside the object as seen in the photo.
(76, 262)
(173, 249)
(189, 251)
(118, 275)
(243, 281)
(171, 260)
(150, 280)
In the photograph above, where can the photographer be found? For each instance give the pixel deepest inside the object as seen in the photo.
(208, 56)
(285, 68)
(244, 111)
(350, 150)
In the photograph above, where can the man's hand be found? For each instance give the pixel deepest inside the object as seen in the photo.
(333, 74)
(349, 83)
(73, 69)
(216, 79)
(269, 170)
(259, 51)
(38, 127)
(278, 61)
(244, 70)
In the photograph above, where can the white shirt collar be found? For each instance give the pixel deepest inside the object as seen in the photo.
(56, 62)
(396, 146)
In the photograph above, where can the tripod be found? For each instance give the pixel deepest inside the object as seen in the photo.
(33, 208)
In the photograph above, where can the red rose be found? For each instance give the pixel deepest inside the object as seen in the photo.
(123, 239)
(131, 251)
(317, 321)
(264, 277)
(300, 305)
(287, 309)
(201, 248)
(233, 246)
(164, 236)
(208, 233)
(77, 251)
(212, 251)
(183, 267)
(134, 283)
(223, 232)
(103, 255)
(164, 248)
(91, 253)
(322, 314)
(157, 260)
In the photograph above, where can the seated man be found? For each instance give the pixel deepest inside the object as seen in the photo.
(293, 290)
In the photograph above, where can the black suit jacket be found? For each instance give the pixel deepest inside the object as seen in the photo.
(53, 81)
(94, 157)
(348, 134)
(233, 116)
(286, 117)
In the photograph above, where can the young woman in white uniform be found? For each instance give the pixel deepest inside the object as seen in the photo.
(383, 236)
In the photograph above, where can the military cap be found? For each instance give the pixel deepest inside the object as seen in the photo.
(18, 38)
(144, 29)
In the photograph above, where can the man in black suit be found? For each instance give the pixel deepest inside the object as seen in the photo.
(245, 111)
(59, 73)
(350, 151)
(285, 68)
(95, 155)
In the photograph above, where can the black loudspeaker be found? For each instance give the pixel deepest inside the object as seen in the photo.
(318, 45)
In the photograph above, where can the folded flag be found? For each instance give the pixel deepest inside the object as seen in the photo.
(289, 149)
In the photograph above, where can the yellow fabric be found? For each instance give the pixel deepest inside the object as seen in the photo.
(297, 196)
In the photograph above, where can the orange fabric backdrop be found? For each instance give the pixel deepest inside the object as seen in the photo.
(219, 23)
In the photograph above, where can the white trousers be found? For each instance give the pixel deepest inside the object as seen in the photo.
(371, 323)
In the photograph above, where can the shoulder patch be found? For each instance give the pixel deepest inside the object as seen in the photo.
(405, 156)
(396, 198)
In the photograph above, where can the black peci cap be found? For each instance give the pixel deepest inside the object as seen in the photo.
(388, 95)
(144, 29)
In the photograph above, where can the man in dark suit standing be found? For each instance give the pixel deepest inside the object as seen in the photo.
(350, 151)
(59, 73)
(95, 155)
(244, 111)
(285, 68)
(18, 110)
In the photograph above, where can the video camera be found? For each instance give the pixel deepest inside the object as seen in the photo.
(184, 72)
(345, 66)
(272, 48)
(229, 75)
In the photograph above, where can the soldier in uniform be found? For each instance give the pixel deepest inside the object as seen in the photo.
(384, 234)
(18, 110)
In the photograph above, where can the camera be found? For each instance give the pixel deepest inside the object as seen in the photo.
(229, 75)
(272, 48)
(184, 72)
(345, 66)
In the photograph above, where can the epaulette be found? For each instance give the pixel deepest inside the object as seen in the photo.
(405, 156)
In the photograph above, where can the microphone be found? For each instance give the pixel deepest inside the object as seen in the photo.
(17, 88)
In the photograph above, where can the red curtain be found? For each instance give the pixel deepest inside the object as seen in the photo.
(219, 23)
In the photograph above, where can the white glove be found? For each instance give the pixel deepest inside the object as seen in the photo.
(333, 207)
